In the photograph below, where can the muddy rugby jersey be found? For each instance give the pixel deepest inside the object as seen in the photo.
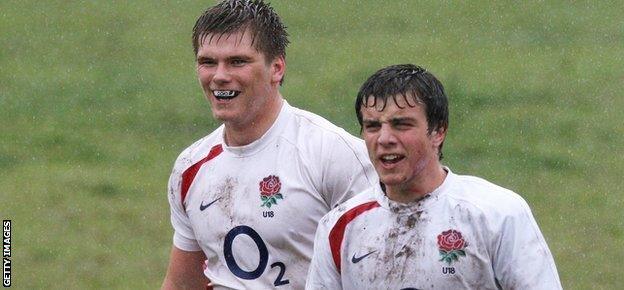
(253, 210)
(467, 234)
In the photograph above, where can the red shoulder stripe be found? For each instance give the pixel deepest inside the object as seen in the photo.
(336, 235)
(189, 174)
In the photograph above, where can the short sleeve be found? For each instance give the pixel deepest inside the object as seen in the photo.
(347, 170)
(522, 259)
(322, 273)
(183, 236)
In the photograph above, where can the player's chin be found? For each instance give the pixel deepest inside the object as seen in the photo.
(222, 105)
(223, 114)
(391, 179)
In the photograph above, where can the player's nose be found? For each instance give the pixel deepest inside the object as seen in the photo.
(386, 136)
(221, 74)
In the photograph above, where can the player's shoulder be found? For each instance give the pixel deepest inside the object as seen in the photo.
(485, 195)
(310, 126)
(366, 199)
(199, 149)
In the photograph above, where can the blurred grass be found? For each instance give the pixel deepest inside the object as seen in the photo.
(98, 98)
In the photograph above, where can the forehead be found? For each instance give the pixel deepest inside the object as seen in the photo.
(237, 41)
(395, 107)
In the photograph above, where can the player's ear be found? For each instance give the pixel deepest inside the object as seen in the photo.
(437, 136)
(278, 68)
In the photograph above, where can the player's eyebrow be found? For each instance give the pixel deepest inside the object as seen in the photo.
(229, 58)
(370, 121)
(396, 120)
(241, 57)
(201, 58)
(393, 120)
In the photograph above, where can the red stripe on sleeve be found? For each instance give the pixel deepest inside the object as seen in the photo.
(189, 174)
(336, 235)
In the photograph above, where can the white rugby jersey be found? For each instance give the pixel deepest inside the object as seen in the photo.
(253, 210)
(467, 234)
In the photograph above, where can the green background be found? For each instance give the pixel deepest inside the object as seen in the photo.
(98, 98)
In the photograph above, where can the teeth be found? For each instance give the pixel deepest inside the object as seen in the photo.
(225, 94)
(389, 157)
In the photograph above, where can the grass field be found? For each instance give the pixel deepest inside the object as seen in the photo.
(98, 98)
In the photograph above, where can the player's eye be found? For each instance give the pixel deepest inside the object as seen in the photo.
(371, 126)
(238, 62)
(402, 124)
(206, 62)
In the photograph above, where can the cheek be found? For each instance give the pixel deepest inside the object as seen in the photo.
(204, 74)
(371, 153)
(370, 143)
(204, 83)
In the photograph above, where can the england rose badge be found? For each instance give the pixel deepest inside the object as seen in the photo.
(451, 244)
(270, 190)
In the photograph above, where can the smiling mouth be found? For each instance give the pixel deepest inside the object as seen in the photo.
(389, 159)
(225, 94)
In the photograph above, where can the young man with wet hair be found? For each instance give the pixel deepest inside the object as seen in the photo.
(428, 228)
(246, 199)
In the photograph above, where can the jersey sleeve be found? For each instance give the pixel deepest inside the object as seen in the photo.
(322, 273)
(183, 236)
(347, 170)
(522, 259)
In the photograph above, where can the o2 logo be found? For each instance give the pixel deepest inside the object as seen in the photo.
(264, 256)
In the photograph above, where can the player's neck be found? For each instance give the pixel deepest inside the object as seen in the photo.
(245, 134)
(419, 187)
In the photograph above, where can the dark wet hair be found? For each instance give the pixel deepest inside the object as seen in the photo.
(415, 84)
(268, 33)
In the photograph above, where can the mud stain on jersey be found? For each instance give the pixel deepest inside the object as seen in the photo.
(412, 219)
(406, 251)
(399, 244)
(213, 260)
(176, 177)
(325, 220)
(226, 192)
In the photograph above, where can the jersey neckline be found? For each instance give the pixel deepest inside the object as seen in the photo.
(256, 146)
(402, 208)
